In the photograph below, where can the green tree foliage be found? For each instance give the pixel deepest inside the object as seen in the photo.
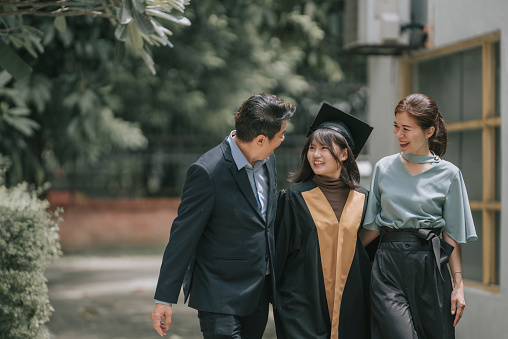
(62, 114)
(237, 48)
(137, 24)
(28, 242)
(54, 112)
(233, 49)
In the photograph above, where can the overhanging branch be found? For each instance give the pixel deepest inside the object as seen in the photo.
(55, 14)
(36, 4)
(65, 8)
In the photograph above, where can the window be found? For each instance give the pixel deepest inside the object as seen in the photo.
(464, 80)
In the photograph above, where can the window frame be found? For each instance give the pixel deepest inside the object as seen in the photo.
(488, 206)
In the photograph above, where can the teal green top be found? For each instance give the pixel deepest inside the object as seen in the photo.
(434, 198)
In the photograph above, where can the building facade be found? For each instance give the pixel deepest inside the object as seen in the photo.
(464, 68)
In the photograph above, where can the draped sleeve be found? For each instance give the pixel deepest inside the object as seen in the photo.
(373, 203)
(287, 235)
(457, 213)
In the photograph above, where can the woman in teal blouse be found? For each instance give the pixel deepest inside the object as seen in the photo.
(415, 197)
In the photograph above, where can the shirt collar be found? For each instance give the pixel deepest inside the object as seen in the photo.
(240, 159)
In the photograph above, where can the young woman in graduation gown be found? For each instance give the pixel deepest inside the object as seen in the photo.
(415, 198)
(322, 269)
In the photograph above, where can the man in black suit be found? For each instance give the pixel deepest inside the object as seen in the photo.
(221, 243)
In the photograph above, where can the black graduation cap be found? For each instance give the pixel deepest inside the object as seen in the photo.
(355, 131)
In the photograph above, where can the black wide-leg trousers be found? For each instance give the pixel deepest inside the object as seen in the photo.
(409, 298)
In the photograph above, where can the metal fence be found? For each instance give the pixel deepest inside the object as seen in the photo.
(157, 172)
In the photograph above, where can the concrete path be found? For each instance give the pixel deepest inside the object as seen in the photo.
(112, 297)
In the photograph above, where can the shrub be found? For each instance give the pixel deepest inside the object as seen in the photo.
(28, 242)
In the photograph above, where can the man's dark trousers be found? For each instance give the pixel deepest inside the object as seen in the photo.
(225, 326)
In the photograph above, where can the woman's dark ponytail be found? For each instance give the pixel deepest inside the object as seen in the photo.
(439, 140)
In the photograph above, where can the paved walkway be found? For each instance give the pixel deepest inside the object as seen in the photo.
(112, 297)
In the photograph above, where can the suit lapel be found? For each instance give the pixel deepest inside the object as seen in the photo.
(272, 188)
(244, 183)
(241, 178)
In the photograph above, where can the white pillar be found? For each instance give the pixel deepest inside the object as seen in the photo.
(383, 82)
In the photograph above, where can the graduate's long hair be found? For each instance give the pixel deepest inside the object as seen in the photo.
(349, 172)
(426, 113)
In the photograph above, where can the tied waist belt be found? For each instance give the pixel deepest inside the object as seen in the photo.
(441, 248)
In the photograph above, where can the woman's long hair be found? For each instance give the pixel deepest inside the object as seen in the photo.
(424, 110)
(331, 139)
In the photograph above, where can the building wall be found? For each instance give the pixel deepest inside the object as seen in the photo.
(113, 224)
(383, 84)
(456, 20)
(453, 21)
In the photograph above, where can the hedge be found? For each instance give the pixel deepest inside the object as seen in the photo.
(28, 243)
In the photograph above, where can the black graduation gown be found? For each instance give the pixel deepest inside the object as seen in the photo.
(302, 310)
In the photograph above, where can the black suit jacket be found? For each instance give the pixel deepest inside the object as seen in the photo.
(219, 238)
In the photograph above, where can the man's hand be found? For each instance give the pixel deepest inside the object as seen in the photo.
(162, 311)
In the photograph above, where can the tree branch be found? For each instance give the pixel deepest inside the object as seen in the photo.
(86, 8)
(39, 4)
(58, 13)
(9, 30)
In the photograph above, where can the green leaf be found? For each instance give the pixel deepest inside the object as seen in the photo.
(160, 41)
(19, 111)
(119, 51)
(4, 107)
(161, 30)
(175, 18)
(71, 100)
(33, 30)
(35, 90)
(17, 42)
(12, 62)
(66, 37)
(5, 77)
(29, 48)
(177, 4)
(88, 102)
(122, 134)
(89, 126)
(135, 37)
(49, 36)
(24, 125)
(124, 14)
(121, 33)
(144, 25)
(147, 58)
(60, 23)
(72, 127)
(37, 43)
(139, 5)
